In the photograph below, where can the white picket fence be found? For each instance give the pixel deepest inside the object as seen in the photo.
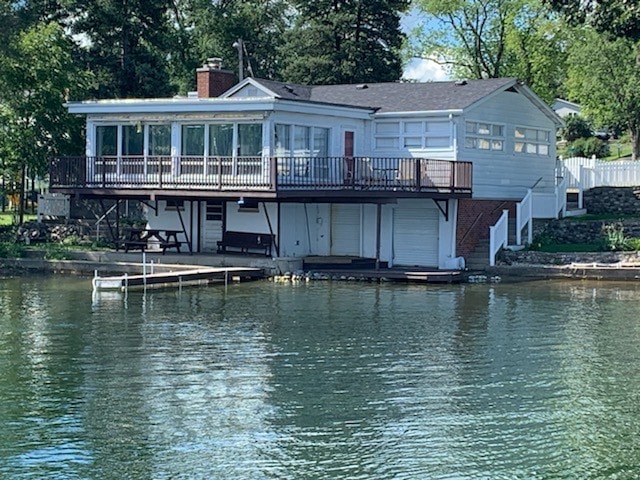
(585, 173)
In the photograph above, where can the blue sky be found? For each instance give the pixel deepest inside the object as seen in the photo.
(418, 69)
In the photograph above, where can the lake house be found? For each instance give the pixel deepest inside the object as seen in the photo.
(408, 174)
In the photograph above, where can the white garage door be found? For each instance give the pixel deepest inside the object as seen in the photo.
(415, 236)
(345, 230)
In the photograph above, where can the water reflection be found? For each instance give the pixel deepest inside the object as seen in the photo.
(326, 380)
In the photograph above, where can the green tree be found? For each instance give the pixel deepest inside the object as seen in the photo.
(216, 27)
(494, 38)
(36, 77)
(619, 18)
(605, 78)
(344, 41)
(575, 127)
(126, 45)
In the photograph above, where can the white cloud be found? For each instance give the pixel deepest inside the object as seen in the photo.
(424, 71)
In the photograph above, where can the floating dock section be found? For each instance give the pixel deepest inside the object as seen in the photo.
(191, 276)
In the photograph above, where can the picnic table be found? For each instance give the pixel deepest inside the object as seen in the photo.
(142, 238)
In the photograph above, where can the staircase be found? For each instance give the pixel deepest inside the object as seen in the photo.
(479, 258)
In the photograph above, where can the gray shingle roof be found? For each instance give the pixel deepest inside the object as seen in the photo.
(394, 97)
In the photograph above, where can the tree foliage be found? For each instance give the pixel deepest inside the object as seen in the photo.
(344, 41)
(36, 77)
(619, 18)
(605, 78)
(575, 127)
(126, 44)
(260, 24)
(494, 38)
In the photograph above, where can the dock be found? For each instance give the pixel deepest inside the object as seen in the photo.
(185, 277)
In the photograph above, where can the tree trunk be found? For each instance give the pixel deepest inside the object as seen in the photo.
(635, 142)
(23, 175)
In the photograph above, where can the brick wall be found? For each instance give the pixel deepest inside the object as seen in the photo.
(212, 82)
(474, 219)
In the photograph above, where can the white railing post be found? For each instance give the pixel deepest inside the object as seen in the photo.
(524, 214)
(561, 198)
(530, 217)
(498, 235)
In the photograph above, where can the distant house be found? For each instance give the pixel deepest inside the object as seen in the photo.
(565, 108)
(404, 173)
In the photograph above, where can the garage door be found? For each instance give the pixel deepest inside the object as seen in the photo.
(345, 230)
(415, 236)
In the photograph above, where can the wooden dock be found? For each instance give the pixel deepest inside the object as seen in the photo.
(191, 276)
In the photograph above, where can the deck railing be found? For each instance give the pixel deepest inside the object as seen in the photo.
(261, 173)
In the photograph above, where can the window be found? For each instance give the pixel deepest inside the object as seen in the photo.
(106, 141)
(193, 140)
(173, 205)
(413, 134)
(214, 211)
(249, 139)
(132, 140)
(221, 140)
(484, 136)
(532, 141)
(296, 144)
(159, 140)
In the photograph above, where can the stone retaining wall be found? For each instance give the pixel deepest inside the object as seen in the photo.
(623, 200)
(544, 258)
(571, 231)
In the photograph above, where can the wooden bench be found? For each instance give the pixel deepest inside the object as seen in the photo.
(246, 241)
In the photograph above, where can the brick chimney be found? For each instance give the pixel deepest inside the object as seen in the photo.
(212, 80)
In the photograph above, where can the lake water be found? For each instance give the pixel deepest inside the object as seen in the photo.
(320, 381)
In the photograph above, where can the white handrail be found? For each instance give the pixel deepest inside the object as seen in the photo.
(524, 217)
(498, 235)
(561, 199)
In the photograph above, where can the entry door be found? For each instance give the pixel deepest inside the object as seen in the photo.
(415, 236)
(212, 226)
(349, 162)
(345, 230)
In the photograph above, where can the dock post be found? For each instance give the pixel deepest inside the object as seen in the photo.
(226, 278)
(126, 282)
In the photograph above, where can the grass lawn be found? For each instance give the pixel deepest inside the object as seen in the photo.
(6, 218)
(625, 150)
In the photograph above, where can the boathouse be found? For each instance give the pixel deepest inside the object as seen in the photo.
(403, 174)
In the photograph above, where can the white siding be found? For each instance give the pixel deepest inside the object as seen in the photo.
(507, 174)
(346, 228)
(415, 236)
(239, 220)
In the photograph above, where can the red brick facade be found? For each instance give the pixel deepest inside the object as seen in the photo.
(213, 82)
(474, 219)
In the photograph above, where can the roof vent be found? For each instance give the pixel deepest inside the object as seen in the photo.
(362, 86)
(289, 89)
(461, 82)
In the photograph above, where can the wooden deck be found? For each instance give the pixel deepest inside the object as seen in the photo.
(192, 276)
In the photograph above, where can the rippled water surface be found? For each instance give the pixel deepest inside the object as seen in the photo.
(320, 381)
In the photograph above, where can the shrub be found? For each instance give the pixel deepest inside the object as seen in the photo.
(613, 237)
(11, 249)
(587, 147)
(633, 244)
(576, 127)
